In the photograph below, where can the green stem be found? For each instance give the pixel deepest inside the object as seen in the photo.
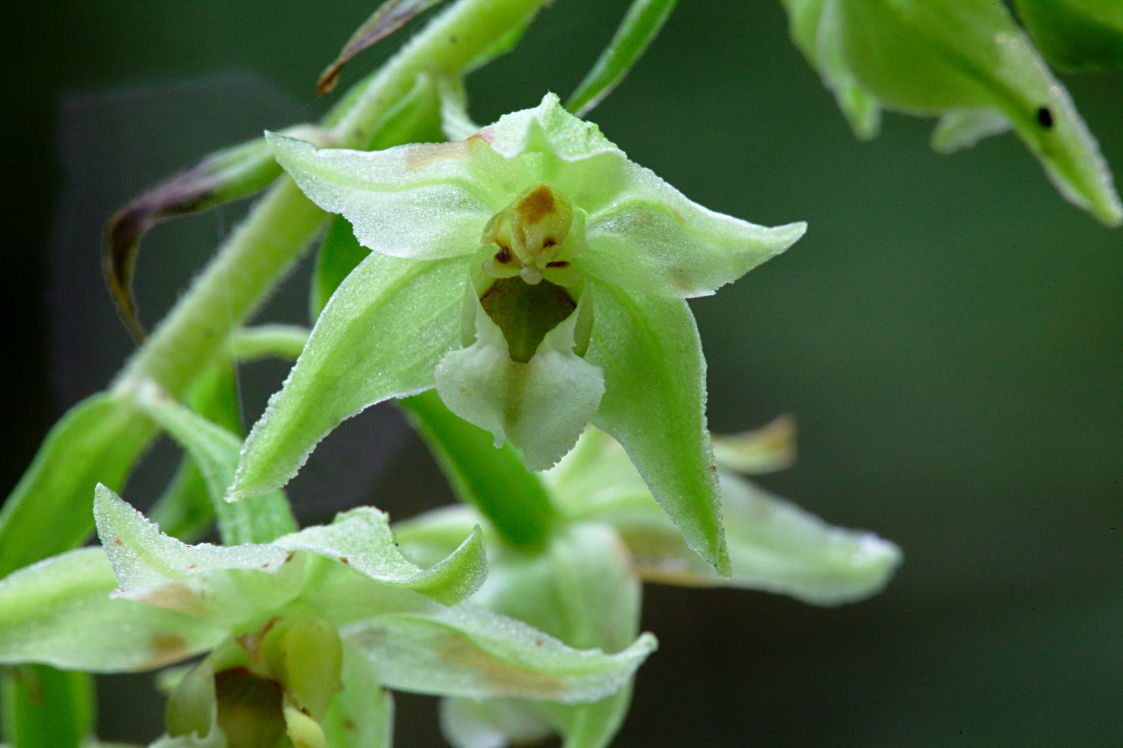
(493, 480)
(47, 708)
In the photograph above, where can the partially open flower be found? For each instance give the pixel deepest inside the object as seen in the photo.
(537, 278)
(304, 633)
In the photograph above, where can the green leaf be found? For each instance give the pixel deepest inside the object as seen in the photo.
(931, 56)
(1076, 35)
(340, 253)
(640, 26)
(388, 18)
(49, 511)
(44, 605)
(46, 707)
(493, 480)
(381, 336)
(654, 404)
(216, 451)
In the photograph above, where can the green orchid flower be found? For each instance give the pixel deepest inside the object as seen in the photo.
(304, 633)
(584, 587)
(965, 61)
(537, 278)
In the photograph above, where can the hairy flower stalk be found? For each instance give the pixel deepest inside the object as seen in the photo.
(537, 278)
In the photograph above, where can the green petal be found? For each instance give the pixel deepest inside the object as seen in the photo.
(362, 537)
(472, 652)
(931, 56)
(424, 201)
(362, 714)
(654, 404)
(380, 336)
(651, 238)
(963, 128)
(585, 591)
(44, 605)
(541, 406)
(773, 545)
(764, 450)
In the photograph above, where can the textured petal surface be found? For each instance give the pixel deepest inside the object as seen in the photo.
(773, 544)
(425, 201)
(651, 238)
(380, 336)
(655, 405)
(59, 612)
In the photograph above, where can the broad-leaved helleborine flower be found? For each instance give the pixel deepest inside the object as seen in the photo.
(538, 279)
(304, 632)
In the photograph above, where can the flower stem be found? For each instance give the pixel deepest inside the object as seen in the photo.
(493, 480)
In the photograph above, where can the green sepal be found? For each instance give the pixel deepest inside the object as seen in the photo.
(416, 118)
(582, 589)
(42, 606)
(234, 584)
(49, 511)
(381, 336)
(654, 404)
(773, 545)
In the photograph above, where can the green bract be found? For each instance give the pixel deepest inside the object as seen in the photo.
(291, 623)
(965, 61)
(537, 278)
(1079, 35)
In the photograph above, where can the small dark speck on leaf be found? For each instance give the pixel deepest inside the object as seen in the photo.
(117, 541)
(344, 559)
(1044, 117)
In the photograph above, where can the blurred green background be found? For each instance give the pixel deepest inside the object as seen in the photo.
(948, 335)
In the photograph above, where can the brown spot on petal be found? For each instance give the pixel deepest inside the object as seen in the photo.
(166, 648)
(176, 596)
(117, 541)
(424, 155)
(345, 560)
(537, 205)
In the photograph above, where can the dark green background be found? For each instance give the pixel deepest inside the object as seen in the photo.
(948, 334)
